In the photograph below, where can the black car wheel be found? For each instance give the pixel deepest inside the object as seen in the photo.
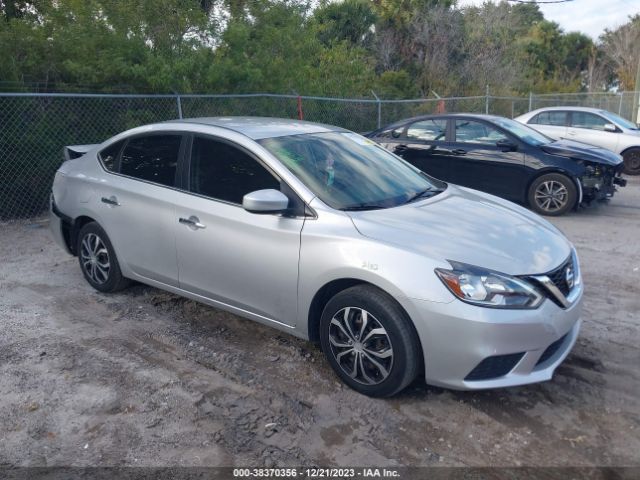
(369, 341)
(632, 161)
(552, 194)
(98, 260)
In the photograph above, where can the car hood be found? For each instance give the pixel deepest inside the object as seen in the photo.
(468, 226)
(582, 151)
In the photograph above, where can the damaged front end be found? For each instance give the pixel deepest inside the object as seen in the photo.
(599, 181)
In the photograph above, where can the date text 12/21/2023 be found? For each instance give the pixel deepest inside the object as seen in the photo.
(316, 472)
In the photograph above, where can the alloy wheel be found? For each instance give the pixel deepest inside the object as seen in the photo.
(95, 258)
(551, 196)
(360, 345)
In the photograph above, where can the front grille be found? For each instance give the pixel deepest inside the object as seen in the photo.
(559, 276)
(494, 367)
(551, 350)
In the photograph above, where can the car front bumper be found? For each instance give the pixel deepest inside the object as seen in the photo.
(457, 338)
(601, 187)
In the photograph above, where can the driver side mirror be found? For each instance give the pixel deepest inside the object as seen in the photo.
(507, 146)
(610, 127)
(265, 201)
(397, 132)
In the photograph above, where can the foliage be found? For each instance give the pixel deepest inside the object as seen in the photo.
(398, 48)
(622, 47)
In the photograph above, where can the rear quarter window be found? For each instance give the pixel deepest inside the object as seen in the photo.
(109, 156)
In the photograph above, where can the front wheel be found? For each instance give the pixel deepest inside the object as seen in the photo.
(369, 341)
(632, 161)
(552, 194)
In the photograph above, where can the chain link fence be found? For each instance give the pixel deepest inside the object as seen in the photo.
(35, 127)
(624, 104)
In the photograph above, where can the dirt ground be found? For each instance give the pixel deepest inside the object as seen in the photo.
(145, 377)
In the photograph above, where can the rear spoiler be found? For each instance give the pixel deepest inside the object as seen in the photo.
(76, 151)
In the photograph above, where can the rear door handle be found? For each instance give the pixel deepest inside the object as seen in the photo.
(459, 151)
(112, 201)
(192, 222)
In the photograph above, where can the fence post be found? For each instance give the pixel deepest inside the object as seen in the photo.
(298, 105)
(635, 112)
(530, 101)
(379, 109)
(179, 103)
(620, 105)
(486, 101)
(300, 112)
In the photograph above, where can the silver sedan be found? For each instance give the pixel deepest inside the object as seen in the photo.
(319, 232)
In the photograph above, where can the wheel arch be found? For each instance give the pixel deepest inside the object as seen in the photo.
(626, 168)
(628, 149)
(72, 239)
(320, 299)
(332, 288)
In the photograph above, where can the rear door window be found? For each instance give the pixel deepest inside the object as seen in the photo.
(153, 158)
(553, 118)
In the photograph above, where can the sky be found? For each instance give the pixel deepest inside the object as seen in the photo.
(586, 16)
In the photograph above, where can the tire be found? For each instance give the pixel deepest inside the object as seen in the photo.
(394, 344)
(98, 261)
(632, 161)
(552, 194)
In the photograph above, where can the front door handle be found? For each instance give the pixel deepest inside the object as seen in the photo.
(192, 222)
(111, 201)
(459, 151)
(400, 149)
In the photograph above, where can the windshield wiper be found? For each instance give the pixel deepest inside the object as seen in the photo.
(362, 206)
(427, 193)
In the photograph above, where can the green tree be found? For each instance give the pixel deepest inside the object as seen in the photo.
(622, 48)
(351, 20)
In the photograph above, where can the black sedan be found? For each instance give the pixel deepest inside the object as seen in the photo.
(503, 157)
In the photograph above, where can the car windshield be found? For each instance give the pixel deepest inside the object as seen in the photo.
(350, 172)
(623, 122)
(523, 132)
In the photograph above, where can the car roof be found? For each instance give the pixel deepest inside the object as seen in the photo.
(263, 127)
(569, 107)
(480, 116)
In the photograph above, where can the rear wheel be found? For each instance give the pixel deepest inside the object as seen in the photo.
(552, 194)
(98, 260)
(632, 161)
(369, 341)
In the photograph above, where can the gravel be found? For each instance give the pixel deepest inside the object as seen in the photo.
(144, 377)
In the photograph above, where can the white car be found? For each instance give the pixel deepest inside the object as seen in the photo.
(590, 125)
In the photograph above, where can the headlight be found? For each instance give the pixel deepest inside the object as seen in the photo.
(487, 288)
